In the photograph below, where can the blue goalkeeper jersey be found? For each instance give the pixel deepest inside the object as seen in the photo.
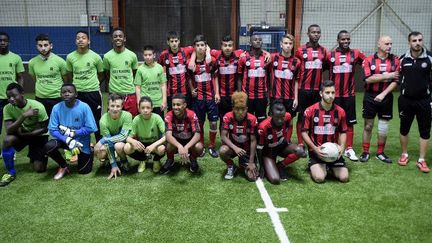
(79, 118)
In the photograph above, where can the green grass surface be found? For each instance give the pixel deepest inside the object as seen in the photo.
(381, 203)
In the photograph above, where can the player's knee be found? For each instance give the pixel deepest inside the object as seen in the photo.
(318, 178)
(344, 178)
(171, 148)
(160, 150)
(50, 146)
(383, 127)
(223, 151)
(199, 148)
(368, 127)
(275, 180)
(128, 148)
(119, 147)
(8, 141)
(39, 166)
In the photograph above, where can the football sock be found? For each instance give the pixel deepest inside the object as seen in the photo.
(212, 137)
(8, 155)
(350, 136)
(291, 158)
(366, 147)
(380, 148)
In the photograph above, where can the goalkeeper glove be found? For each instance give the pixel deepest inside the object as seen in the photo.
(68, 132)
(72, 143)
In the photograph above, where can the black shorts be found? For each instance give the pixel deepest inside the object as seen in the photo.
(306, 98)
(371, 108)
(203, 107)
(349, 105)
(140, 156)
(36, 146)
(225, 106)
(157, 110)
(258, 107)
(94, 100)
(313, 159)
(276, 151)
(288, 104)
(48, 103)
(421, 109)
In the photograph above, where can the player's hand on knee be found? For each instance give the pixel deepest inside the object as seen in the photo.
(240, 152)
(149, 149)
(114, 172)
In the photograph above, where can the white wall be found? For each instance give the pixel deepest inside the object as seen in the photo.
(256, 11)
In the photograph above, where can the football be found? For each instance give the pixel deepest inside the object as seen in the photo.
(331, 150)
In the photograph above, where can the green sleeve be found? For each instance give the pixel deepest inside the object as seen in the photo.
(62, 66)
(104, 127)
(133, 132)
(42, 114)
(162, 75)
(138, 78)
(127, 123)
(19, 65)
(99, 64)
(31, 69)
(134, 64)
(7, 114)
(106, 63)
(69, 67)
(161, 125)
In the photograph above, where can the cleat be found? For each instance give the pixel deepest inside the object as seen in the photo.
(141, 167)
(384, 158)
(403, 160)
(194, 167)
(230, 172)
(422, 165)
(364, 157)
(6, 179)
(282, 174)
(213, 153)
(156, 166)
(61, 172)
(166, 167)
(350, 154)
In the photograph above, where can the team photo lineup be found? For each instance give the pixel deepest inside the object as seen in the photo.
(156, 112)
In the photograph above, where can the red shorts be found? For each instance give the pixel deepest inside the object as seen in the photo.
(130, 104)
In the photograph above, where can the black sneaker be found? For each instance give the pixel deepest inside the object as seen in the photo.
(213, 153)
(364, 157)
(194, 167)
(166, 167)
(384, 158)
(282, 174)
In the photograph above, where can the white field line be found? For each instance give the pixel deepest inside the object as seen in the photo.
(272, 211)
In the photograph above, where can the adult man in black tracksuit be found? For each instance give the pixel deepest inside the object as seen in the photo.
(415, 99)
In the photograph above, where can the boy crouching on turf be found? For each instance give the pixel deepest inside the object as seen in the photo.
(147, 136)
(115, 126)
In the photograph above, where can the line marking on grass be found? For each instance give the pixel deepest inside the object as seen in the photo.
(272, 211)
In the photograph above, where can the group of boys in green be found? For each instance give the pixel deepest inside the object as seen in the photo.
(85, 69)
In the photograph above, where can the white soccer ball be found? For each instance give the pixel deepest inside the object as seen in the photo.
(331, 152)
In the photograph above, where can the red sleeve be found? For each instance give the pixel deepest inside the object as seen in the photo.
(306, 120)
(241, 65)
(397, 68)
(239, 52)
(360, 56)
(215, 53)
(366, 68)
(254, 124)
(188, 50)
(342, 124)
(193, 119)
(261, 135)
(168, 121)
(225, 122)
(299, 53)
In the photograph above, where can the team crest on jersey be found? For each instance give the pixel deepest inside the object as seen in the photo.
(248, 63)
(424, 65)
(88, 64)
(373, 67)
(76, 119)
(10, 64)
(305, 55)
(275, 64)
(51, 69)
(126, 63)
(332, 59)
(167, 61)
(316, 119)
(270, 136)
(231, 126)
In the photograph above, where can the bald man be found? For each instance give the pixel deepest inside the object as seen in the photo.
(381, 78)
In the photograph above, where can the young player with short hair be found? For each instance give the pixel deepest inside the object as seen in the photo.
(120, 66)
(147, 137)
(115, 127)
(26, 124)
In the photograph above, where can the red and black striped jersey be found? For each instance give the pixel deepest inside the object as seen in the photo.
(254, 72)
(176, 69)
(269, 136)
(375, 65)
(183, 128)
(283, 75)
(240, 132)
(226, 68)
(313, 62)
(324, 126)
(203, 79)
(341, 70)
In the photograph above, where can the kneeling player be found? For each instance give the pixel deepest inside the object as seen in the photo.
(274, 134)
(238, 136)
(325, 122)
(147, 136)
(183, 135)
(71, 124)
(115, 126)
(26, 121)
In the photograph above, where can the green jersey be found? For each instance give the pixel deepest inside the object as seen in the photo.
(12, 112)
(148, 131)
(48, 74)
(151, 79)
(85, 68)
(110, 127)
(10, 65)
(120, 66)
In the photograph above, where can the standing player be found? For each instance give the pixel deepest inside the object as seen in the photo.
(115, 127)
(48, 71)
(120, 66)
(325, 122)
(415, 98)
(253, 78)
(283, 76)
(313, 57)
(151, 81)
(182, 135)
(273, 141)
(381, 77)
(26, 124)
(342, 61)
(70, 125)
(174, 62)
(238, 136)
(86, 68)
(11, 70)
(205, 91)
(147, 136)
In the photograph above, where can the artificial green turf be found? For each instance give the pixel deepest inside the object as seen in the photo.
(381, 203)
